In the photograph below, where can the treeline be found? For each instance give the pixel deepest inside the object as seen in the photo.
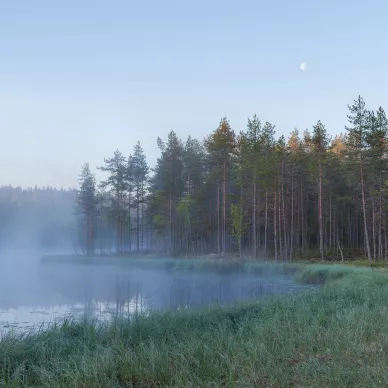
(248, 192)
(39, 217)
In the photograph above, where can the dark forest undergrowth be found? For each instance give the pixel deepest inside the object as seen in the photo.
(335, 336)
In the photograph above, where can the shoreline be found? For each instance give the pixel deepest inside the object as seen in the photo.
(225, 259)
(332, 336)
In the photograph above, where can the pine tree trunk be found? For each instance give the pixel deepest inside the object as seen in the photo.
(189, 234)
(298, 232)
(385, 242)
(86, 235)
(320, 213)
(266, 224)
(292, 215)
(254, 220)
(137, 220)
(142, 222)
(335, 228)
(121, 234)
(330, 224)
(129, 223)
(170, 224)
(374, 229)
(284, 217)
(380, 223)
(101, 228)
(241, 221)
(366, 236)
(224, 213)
(280, 228)
(118, 225)
(275, 225)
(258, 223)
(218, 219)
(173, 227)
(91, 234)
(302, 214)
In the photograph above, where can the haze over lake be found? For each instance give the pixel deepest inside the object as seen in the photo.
(41, 293)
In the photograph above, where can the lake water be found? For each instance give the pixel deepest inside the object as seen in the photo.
(36, 294)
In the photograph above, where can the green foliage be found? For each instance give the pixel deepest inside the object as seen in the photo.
(160, 224)
(193, 165)
(138, 169)
(295, 194)
(222, 142)
(184, 206)
(117, 179)
(220, 146)
(357, 133)
(86, 195)
(238, 225)
(86, 200)
(320, 139)
(137, 181)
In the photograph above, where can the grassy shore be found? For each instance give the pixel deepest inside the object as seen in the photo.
(229, 265)
(335, 336)
(205, 260)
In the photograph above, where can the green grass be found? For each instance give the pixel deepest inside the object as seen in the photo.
(335, 336)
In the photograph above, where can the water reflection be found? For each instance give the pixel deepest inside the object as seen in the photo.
(56, 292)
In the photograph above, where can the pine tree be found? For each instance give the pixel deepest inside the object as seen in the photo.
(357, 147)
(193, 170)
(138, 168)
(117, 182)
(251, 153)
(281, 156)
(237, 224)
(284, 198)
(296, 156)
(377, 145)
(320, 143)
(86, 199)
(168, 187)
(220, 145)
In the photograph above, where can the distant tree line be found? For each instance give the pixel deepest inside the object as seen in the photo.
(37, 217)
(248, 192)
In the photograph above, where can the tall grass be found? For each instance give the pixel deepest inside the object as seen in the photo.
(335, 336)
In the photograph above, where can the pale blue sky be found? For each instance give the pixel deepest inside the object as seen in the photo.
(79, 79)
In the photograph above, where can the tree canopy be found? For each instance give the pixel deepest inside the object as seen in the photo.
(253, 192)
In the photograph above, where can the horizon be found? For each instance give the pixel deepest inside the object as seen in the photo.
(81, 80)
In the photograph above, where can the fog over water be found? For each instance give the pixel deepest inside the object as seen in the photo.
(33, 293)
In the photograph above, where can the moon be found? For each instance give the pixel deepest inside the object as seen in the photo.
(303, 66)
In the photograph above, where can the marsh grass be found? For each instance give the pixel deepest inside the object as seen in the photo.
(334, 336)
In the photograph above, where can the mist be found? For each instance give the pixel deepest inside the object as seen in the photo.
(42, 222)
(33, 293)
(37, 219)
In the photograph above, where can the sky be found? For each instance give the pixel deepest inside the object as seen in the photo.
(81, 78)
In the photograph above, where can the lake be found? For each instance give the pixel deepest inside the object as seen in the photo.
(35, 294)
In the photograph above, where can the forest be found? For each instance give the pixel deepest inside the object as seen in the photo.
(247, 192)
(37, 218)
